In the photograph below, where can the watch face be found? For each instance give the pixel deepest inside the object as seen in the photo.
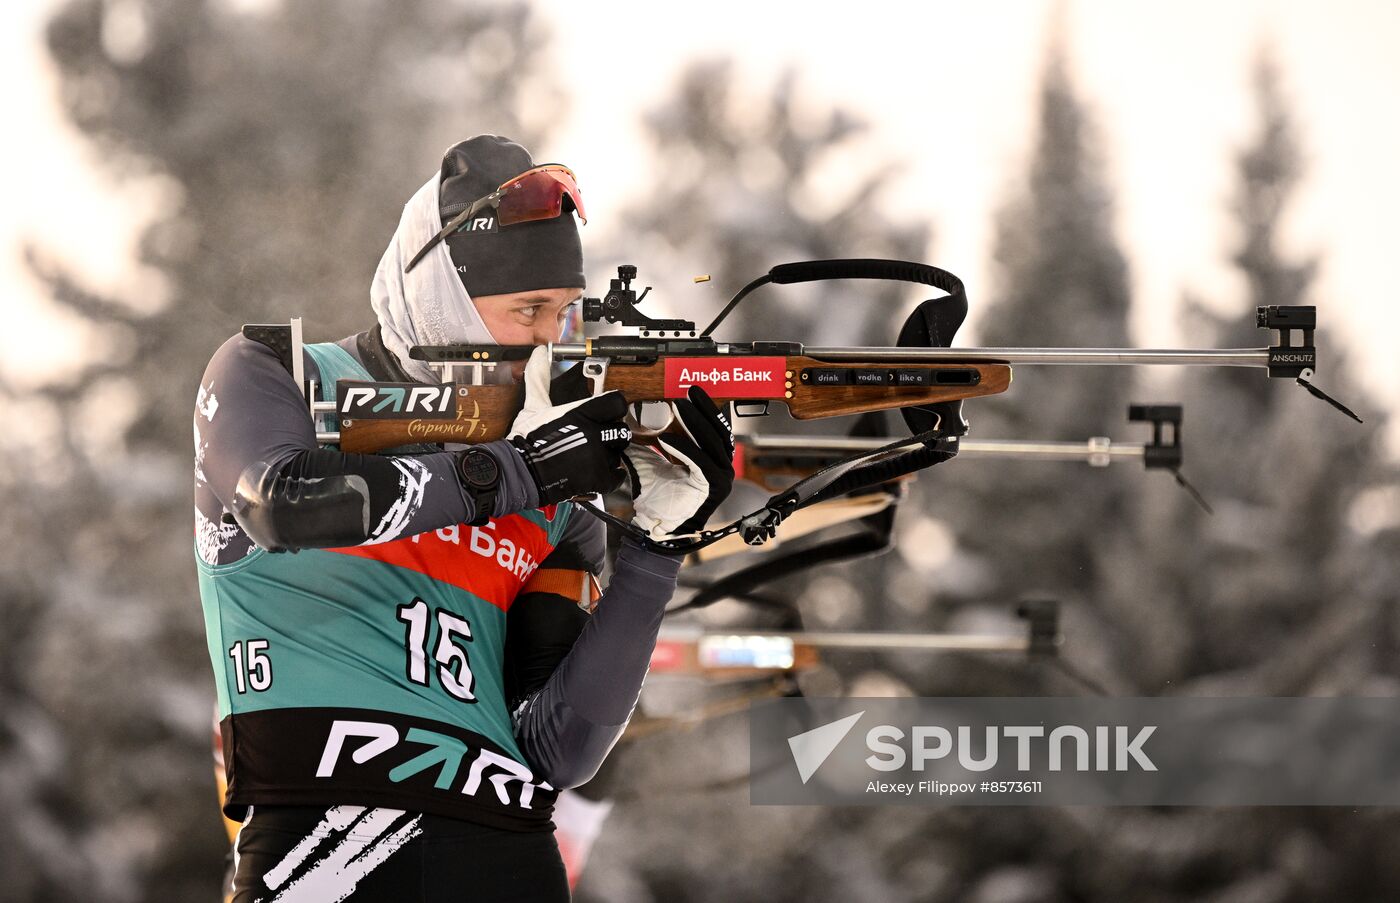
(480, 469)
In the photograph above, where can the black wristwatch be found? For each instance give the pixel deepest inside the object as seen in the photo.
(480, 477)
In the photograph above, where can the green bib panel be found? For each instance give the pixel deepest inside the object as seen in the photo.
(375, 674)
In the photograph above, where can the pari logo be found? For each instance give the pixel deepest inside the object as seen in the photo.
(442, 759)
(381, 401)
(477, 224)
(727, 377)
(1032, 747)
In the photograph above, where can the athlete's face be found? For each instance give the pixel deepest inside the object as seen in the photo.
(527, 318)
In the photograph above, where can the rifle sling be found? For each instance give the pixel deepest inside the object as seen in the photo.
(858, 471)
(872, 540)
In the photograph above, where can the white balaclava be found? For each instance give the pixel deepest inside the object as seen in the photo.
(427, 305)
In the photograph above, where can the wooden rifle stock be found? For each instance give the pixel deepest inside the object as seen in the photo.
(808, 401)
(485, 413)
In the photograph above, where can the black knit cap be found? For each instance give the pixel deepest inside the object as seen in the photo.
(517, 258)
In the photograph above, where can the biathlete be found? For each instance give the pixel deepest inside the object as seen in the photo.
(401, 700)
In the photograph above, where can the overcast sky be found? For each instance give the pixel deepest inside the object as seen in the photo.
(949, 89)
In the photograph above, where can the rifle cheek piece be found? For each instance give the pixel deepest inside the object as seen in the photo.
(285, 514)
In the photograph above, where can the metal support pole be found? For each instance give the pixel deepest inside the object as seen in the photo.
(869, 640)
(1098, 450)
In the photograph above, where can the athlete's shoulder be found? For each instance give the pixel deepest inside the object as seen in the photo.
(240, 355)
(241, 359)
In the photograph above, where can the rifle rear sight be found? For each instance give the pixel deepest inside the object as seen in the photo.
(1165, 449)
(619, 305)
(1288, 358)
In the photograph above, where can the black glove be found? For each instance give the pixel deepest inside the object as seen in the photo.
(570, 449)
(674, 494)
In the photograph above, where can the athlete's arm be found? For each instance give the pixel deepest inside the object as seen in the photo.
(549, 613)
(259, 457)
(568, 726)
(575, 676)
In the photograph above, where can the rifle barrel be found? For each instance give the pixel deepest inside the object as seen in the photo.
(1202, 357)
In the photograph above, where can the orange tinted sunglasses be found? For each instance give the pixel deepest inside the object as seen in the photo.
(535, 194)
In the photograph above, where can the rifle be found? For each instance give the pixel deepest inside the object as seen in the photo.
(742, 653)
(775, 462)
(921, 376)
(775, 658)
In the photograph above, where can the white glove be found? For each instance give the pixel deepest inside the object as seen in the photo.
(674, 494)
(539, 409)
(573, 448)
